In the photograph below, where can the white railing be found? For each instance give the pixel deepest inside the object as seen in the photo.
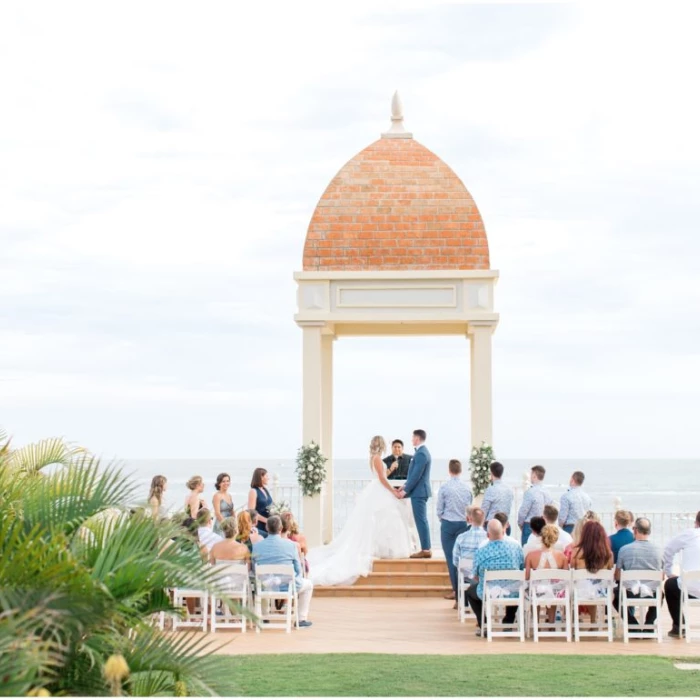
(665, 524)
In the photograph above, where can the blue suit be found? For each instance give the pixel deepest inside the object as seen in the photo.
(417, 488)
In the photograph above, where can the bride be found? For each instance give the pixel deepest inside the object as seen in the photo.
(378, 528)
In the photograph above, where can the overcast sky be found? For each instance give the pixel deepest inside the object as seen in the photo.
(160, 162)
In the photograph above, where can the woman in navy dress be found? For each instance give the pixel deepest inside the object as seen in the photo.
(259, 498)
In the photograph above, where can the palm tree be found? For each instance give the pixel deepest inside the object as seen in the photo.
(81, 577)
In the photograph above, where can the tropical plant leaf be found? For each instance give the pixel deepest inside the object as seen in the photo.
(34, 457)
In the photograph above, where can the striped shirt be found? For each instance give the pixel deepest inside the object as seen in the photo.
(498, 498)
(467, 544)
(453, 498)
(534, 501)
(574, 503)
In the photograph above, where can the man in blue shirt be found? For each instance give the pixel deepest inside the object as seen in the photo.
(454, 497)
(275, 550)
(497, 555)
(623, 535)
(498, 498)
(534, 501)
(574, 503)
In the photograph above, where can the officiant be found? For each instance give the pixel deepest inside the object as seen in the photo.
(397, 462)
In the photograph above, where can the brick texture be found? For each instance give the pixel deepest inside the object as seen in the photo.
(396, 206)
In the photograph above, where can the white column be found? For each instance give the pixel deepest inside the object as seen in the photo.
(312, 421)
(327, 431)
(480, 384)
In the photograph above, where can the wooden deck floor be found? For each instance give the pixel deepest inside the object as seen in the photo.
(417, 626)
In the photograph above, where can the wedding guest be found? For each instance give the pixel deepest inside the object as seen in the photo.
(222, 501)
(498, 498)
(206, 535)
(496, 555)
(229, 549)
(623, 535)
(592, 553)
(687, 542)
(159, 485)
(503, 519)
(641, 555)
(290, 530)
(534, 501)
(468, 542)
(397, 462)
(578, 529)
(193, 500)
(574, 503)
(259, 498)
(534, 541)
(247, 533)
(275, 550)
(454, 497)
(254, 519)
(551, 516)
(546, 557)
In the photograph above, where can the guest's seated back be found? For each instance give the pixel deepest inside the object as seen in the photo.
(546, 557)
(276, 550)
(206, 534)
(623, 535)
(229, 549)
(593, 552)
(576, 534)
(534, 541)
(551, 516)
(247, 534)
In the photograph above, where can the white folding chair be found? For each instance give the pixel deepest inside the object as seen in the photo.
(276, 582)
(593, 590)
(635, 577)
(550, 587)
(196, 619)
(506, 596)
(464, 569)
(687, 603)
(233, 582)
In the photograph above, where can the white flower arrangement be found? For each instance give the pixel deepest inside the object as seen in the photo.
(311, 469)
(480, 462)
(280, 508)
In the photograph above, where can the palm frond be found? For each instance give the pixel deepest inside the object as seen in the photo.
(32, 458)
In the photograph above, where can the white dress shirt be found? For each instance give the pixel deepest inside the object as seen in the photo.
(565, 539)
(687, 542)
(208, 537)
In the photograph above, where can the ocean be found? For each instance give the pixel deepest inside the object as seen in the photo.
(642, 485)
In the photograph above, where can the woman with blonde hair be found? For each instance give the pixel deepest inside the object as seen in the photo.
(229, 549)
(247, 533)
(290, 530)
(377, 528)
(159, 485)
(193, 500)
(547, 558)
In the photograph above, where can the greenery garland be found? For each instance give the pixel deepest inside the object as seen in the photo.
(480, 462)
(311, 469)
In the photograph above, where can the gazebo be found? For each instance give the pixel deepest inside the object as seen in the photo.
(396, 246)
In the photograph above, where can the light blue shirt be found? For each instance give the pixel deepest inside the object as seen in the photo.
(574, 503)
(276, 550)
(467, 544)
(497, 555)
(534, 501)
(498, 498)
(453, 498)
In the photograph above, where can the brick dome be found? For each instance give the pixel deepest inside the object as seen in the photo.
(396, 206)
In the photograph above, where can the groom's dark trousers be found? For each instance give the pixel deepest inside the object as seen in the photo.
(420, 509)
(450, 530)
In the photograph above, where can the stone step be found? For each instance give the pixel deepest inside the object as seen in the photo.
(381, 591)
(409, 565)
(404, 578)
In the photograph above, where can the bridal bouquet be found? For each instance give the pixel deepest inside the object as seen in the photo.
(280, 508)
(311, 469)
(480, 463)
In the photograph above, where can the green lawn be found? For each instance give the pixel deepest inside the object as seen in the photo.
(471, 674)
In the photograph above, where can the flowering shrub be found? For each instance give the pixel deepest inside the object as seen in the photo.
(480, 462)
(311, 469)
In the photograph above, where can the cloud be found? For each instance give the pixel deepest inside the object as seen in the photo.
(161, 165)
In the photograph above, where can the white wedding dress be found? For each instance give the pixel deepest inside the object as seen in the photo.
(379, 527)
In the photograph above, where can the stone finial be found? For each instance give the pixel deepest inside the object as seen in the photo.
(397, 130)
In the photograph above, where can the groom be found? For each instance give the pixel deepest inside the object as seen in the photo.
(417, 488)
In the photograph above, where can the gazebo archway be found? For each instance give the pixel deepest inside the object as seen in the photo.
(396, 246)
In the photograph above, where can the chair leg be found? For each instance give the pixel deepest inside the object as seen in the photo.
(521, 618)
(566, 611)
(535, 621)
